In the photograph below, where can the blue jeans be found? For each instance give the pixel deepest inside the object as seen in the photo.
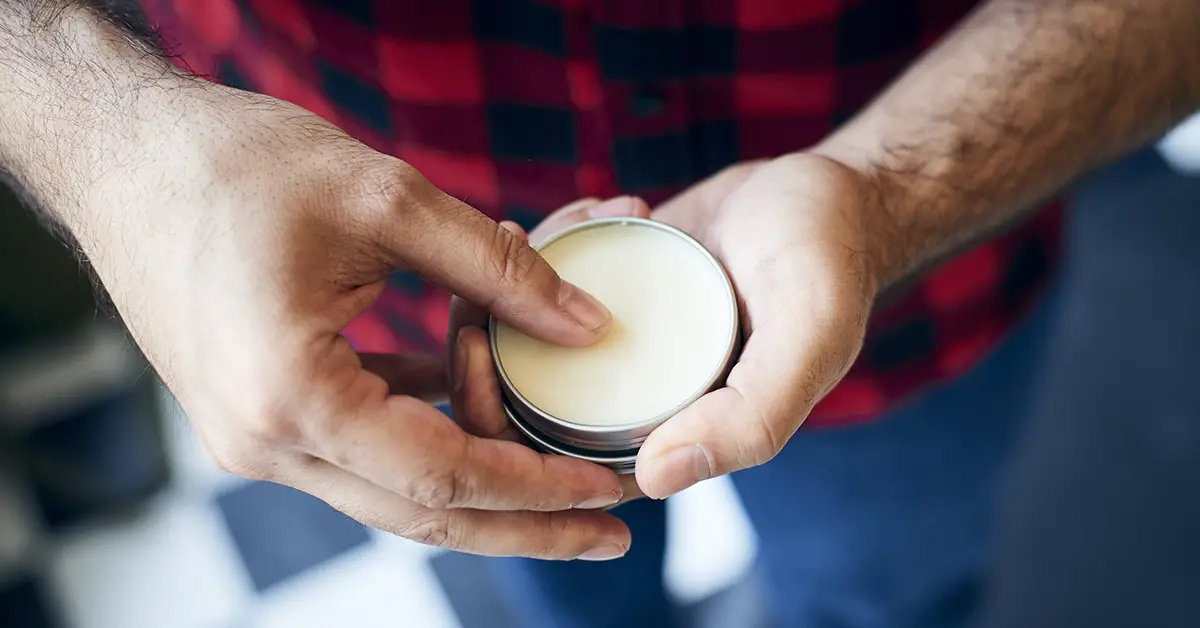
(883, 524)
(1098, 529)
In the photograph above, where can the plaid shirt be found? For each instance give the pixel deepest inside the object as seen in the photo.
(521, 106)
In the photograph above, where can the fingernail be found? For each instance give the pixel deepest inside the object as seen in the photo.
(613, 208)
(682, 468)
(582, 307)
(600, 501)
(460, 362)
(604, 552)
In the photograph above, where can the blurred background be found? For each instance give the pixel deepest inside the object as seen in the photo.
(111, 517)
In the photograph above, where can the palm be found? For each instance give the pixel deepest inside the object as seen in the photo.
(784, 231)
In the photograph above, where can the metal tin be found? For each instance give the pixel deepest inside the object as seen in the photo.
(615, 446)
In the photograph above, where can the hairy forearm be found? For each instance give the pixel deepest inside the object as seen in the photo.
(1023, 97)
(81, 94)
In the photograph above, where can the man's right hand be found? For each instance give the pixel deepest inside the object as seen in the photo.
(238, 235)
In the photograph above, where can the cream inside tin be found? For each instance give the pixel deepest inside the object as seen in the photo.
(674, 334)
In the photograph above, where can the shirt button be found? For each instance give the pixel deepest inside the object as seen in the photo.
(647, 102)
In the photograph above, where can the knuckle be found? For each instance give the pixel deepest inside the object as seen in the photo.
(392, 187)
(244, 461)
(268, 422)
(558, 536)
(767, 441)
(765, 436)
(432, 530)
(437, 490)
(544, 501)
(513, 261)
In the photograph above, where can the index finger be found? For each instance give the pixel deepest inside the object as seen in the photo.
(465, 314)
(455, 246)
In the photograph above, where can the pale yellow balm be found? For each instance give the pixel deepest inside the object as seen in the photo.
(673, 323)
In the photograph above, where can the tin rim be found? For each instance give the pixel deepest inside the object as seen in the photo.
(718, 373)
(620, 461)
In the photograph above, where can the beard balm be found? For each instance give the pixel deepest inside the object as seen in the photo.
(673, 337)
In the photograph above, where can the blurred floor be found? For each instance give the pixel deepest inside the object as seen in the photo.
(215, 551)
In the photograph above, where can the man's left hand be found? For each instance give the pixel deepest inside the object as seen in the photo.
(791, 234)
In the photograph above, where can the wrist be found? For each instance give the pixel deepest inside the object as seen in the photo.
(864, 211)
(888, 202)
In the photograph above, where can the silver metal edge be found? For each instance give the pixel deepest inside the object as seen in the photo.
(620, 464)
(629, 435)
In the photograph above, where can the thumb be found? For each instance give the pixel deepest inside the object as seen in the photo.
(783, 371)
(455, 246)
(766, 397)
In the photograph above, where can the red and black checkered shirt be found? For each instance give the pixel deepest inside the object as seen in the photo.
(521, 106)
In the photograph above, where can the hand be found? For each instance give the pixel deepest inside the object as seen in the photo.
(248, 234)
(790, 233)
(477, 403)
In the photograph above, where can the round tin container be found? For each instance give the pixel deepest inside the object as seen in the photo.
(615, 446)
